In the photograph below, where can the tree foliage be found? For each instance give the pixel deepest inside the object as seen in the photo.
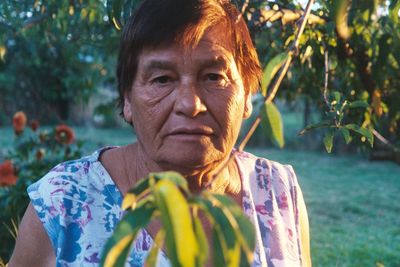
(347, 64)
(166, 196)
(54, 53)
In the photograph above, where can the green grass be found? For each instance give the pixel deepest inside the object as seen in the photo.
(353, 204)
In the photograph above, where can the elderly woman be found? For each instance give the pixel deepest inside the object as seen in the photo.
(186, 73)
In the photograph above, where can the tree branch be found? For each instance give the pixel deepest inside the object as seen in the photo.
(273, 89)
(287, 16)
(326, 64)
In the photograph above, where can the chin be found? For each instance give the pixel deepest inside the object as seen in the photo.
(191, 161)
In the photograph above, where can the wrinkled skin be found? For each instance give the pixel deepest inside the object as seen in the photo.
(187, 105)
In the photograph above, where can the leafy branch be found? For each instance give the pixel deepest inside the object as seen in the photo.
(166, 196)
(283, 61)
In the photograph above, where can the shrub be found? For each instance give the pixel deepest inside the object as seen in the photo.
(34, 152)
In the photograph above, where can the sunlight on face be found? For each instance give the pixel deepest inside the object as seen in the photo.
(187, 105)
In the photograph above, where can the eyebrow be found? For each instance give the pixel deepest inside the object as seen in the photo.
(219, 61)
(154, 64)
(158, 64)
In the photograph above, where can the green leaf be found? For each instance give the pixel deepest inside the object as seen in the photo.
(244, 224)
(340, 12)
(346, 135)
(202, 239)
(358, 104)
(116, 13)
(117, 247)
(271, 69)
(394, 10)
(273, 121)
(181, 242)
(337, 96)
(230, 247)
(362, 131)
(218, 252)
(237, 231)
(143, 184)
(322, 124)
(151, 260)
(172, 176)
(328, 141)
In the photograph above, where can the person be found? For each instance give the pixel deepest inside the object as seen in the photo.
(186, 73)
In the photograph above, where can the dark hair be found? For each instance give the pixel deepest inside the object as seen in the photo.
(159, 22)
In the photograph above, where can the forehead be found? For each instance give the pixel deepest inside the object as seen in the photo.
(213, 45)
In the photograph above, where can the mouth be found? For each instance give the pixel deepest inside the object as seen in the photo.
(195, 131)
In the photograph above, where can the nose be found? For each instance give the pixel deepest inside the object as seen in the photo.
(188, 101)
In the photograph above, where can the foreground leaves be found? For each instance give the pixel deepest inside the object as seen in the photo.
(165, 196)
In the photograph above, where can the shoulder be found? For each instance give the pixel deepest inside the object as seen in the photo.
(71, 186)
(272, 188)
(266, 173)
(62, 177)
(72, 200)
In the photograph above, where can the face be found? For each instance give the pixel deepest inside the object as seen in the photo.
(187, 105)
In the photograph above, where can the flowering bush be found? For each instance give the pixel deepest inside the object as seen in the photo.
(34, 152)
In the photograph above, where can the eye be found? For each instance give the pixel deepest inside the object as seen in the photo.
(162, 80)
(215, 77)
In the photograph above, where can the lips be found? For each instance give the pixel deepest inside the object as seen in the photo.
(191, 131)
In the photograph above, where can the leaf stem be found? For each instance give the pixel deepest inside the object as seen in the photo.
(326, 64)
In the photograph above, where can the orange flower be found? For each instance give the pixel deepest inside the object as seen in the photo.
(7, 174)
(64, 134)
(19, 122)
(34, 125)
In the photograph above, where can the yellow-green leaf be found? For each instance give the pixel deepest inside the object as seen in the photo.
(228, 238)
(271, 69)
(362, 131)
(340, 16)
(181, 242)
(172, 176)
(129, 201)
(273, 121)
(151, 260)
(346, 135)
(3, 51)
(394, 9)
(116, 249)
(202, 239)
(117, 254)
(241, 225)
(328, 141)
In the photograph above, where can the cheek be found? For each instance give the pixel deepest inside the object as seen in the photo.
(150, 113)
(228, 110)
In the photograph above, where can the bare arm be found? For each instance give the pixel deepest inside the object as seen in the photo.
(33, 247)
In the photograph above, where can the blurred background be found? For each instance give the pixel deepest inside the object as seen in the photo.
(342, 92)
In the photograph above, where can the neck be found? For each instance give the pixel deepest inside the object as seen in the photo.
(222, 177)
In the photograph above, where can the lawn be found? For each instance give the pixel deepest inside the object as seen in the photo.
(353, 204)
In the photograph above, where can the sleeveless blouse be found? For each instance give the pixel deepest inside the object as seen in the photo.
(79, 205)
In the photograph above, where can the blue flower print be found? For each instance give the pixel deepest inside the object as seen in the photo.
(69, 237)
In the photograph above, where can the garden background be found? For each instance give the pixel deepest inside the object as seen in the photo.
(58, 91)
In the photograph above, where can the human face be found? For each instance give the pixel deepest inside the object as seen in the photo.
(187, 105)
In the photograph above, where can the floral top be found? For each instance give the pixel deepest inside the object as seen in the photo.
(80, 205)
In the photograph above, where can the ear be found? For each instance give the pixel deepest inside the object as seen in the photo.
(248, 106)
(127, 110)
